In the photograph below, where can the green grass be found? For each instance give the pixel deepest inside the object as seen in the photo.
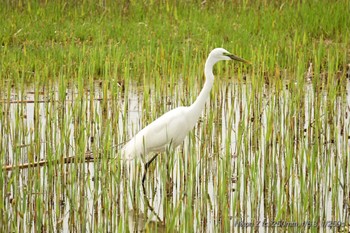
(105, 41)
(100, 71)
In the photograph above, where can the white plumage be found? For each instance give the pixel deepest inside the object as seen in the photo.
(172, 127)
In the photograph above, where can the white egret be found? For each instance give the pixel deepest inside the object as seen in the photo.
(171, 128)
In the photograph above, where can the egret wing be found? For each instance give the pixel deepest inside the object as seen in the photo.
(170, 128)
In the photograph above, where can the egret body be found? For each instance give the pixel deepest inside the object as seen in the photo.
(172, 127)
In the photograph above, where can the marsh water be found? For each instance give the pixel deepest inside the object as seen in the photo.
(258, 159)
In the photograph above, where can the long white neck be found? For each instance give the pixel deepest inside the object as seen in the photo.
(197, 107)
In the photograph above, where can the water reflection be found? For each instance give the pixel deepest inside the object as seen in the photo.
(254, 157)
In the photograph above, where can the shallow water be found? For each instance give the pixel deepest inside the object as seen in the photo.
(257, 156)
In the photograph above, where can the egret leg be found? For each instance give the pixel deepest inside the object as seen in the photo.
(144, 188)
(146, 168)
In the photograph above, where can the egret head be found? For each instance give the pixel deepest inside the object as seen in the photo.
(219, 54)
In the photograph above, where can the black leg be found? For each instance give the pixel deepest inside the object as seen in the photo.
(146, 169)
(144, 188)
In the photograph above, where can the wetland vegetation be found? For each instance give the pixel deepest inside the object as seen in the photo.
(271, 151)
